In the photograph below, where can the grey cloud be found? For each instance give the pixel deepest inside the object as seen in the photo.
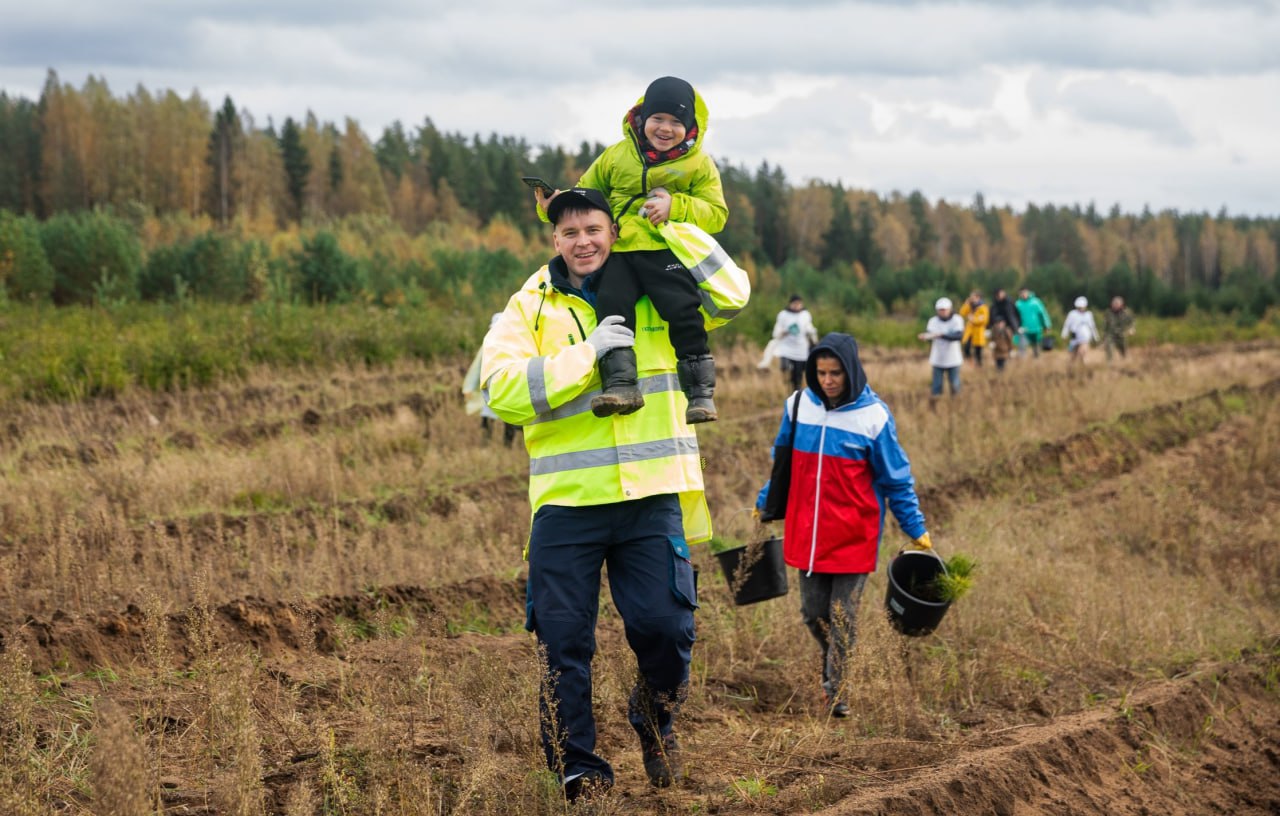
(935, 66)
(824, 123)
(1127, 105)
(1190, 41)
(921, 39)
(968, 90)
(844, 110)
(935, 130)
(1117, 102)
(1127, 5)
(454, 46)
(118, 43)
(933, 38)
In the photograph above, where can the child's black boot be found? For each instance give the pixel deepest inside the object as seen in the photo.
(620, 393)
(698, 381)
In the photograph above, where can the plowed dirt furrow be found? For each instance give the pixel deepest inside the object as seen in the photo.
(1066, 465)
(1087, 457)
(1203, 744)
(271, 627)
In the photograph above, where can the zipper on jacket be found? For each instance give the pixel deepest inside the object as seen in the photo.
(817, 492)
(579, 322)
(627, 206)
(542, 287)
(644, 175)
(546, 286)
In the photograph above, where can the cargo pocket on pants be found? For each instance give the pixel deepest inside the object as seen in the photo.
(684, 584)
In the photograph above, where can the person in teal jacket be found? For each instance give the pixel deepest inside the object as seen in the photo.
(657, 172)
(1033, 317)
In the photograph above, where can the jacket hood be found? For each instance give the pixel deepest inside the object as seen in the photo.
(845, 348)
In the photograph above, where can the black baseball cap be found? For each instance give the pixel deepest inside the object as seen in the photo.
(579, 198)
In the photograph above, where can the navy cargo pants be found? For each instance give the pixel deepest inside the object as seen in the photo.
(652, 584)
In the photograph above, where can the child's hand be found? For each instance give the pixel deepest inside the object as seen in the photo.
(657, 207)
(542, 198)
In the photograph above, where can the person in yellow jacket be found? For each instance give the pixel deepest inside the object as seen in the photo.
(976, 316)
(657, 173)
(623, 490)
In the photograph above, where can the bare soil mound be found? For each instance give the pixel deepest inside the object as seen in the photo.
(1206, 743)
(272, 628)
(1098, 453)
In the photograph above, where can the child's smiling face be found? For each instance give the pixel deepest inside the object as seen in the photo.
(664, 131)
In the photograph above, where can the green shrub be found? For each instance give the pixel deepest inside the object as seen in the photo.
(325, 273)
(163, 273)
(95, 256)
(76, 352)
(25, 272)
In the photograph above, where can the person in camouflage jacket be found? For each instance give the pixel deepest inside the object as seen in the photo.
(1116, 326)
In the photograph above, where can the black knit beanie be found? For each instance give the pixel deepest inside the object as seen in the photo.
(669, 95)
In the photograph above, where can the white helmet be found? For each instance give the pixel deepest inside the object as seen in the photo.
(1082, 302)
(942, 303)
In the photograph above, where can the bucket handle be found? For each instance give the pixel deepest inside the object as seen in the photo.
(931, 551)
(759, 530)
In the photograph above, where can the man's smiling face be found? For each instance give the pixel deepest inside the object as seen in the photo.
(583, 239)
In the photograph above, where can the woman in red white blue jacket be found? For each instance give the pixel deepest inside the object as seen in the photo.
(846, 466)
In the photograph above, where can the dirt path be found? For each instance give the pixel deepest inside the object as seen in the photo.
(1205, 743)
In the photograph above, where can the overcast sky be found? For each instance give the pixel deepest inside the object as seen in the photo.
(1167, 104)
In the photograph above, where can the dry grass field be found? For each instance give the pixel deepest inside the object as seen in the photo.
(303, 594)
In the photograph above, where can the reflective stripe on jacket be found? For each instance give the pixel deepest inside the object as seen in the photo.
(541, 373)
(846, 464)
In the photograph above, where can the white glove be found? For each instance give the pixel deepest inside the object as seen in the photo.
(610, 334)
(644, 208)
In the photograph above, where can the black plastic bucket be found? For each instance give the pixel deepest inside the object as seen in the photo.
(908, 613)
(755, 572)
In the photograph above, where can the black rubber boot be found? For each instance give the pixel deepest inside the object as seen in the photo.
(620, 393)
(662, 762)
(698, 381)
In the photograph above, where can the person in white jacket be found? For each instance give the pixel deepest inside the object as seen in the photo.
(1080, 330)
(793, 335)
(477, 402)
(944, 330)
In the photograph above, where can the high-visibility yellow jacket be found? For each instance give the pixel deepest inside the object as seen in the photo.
(540, 372)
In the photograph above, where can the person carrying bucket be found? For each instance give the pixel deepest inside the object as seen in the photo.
(846, 464)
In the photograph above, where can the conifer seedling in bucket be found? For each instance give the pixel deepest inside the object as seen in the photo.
(922, 587)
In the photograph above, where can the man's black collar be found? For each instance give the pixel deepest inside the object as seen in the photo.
(560, 278)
